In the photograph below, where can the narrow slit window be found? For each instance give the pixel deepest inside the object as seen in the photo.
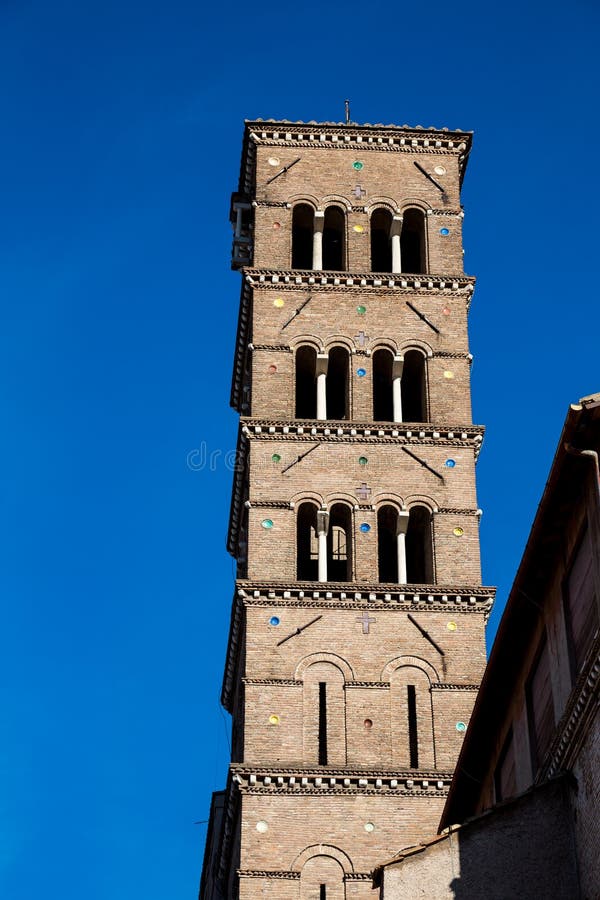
(323, 892)
(413, 740)
(322, 723)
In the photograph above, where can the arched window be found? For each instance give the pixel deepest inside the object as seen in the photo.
(381, 241)
(387, 543)
(339, 543)
(303, 222)
(324, 715)
(383, 400)
(306, 391)
(412, 719)
(322, 878)
(413, 388)
(412, 242)
(307, 548)
(337, 391)
(419, 546)
(334, 227)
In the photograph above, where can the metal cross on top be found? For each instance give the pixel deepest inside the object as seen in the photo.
(359, 192)
(362, 338)
(364, 491)
(365, 620)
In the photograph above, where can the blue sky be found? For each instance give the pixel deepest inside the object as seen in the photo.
(121, 133)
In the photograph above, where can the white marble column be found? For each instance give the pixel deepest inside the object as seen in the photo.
(397, 367)
(322, 362)
(322, 529)
(395, 235)
(319, 222)
(402, 528)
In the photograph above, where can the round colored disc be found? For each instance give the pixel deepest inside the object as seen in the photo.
(358, 229)
(273, 720)
(276, 457)
(274, 620)
(458, 531)
(451, 626)
(267, 523)
(448, 375)
(444, 231)
(357, 165)
(460, 726)
(364, 526)
(272, 370)
(278, 302)
(362, 460)
(450, 463)
(361, 310)
(361, 373)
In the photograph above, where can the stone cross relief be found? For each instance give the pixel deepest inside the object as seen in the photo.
(364, 491)
(365, 620)
(359, 192)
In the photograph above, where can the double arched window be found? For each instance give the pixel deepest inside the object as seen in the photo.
(398, 244)
(323, 543)
(404, 545)
(399, 386)
(322, 383)
(318, 238)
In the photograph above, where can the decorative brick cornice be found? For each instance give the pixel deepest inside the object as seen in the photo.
(352, 595)
(295, 876)
(280, 348)
(270, 504)
(358, 876)
(375, 432)
(268, 873)
(456, 511)
(451, 213)
(579, 714)
(333, 781)
(349, 685)
(293, 279)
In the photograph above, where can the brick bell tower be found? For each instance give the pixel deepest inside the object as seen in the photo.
(357, 633)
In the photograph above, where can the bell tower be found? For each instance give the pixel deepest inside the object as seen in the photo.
(357, 631)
